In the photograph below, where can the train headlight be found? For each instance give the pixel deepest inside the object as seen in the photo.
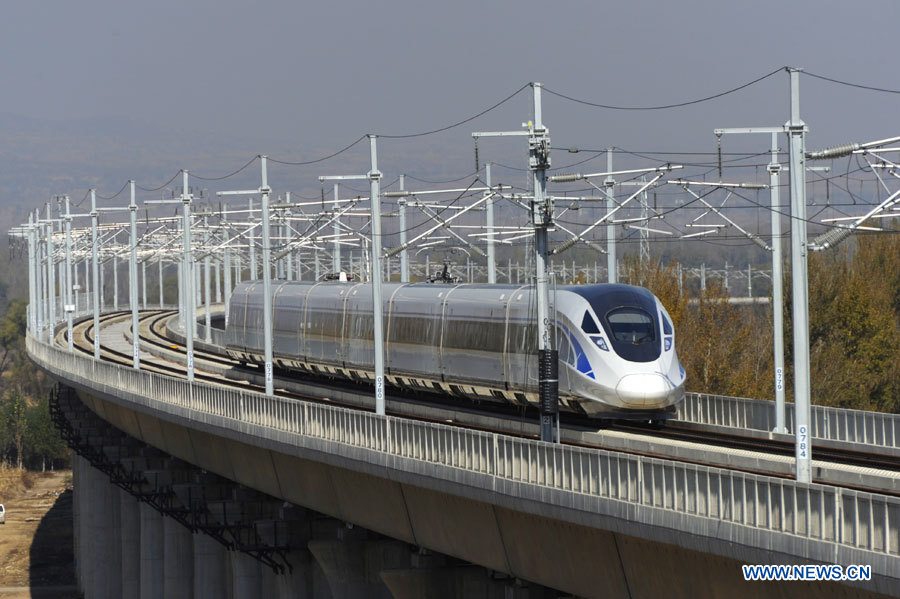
(600, 342)
(668, 343)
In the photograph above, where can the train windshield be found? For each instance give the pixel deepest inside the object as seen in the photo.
(629, 317)
(631, 325)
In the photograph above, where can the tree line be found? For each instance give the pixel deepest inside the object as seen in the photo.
(28, 438)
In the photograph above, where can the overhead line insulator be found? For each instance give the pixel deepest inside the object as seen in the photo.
(567, 178)
(564, 246)
(833, 152)
(760, 243)
(832, 238)
(571, 242)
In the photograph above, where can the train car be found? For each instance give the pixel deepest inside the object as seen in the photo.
(616, 343)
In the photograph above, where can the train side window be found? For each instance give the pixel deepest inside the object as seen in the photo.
(588, 325)
(411, 329)
(667, 326)
(254, 318)
(522, 338)
(461, 333)
(286, 318)
(566, 355)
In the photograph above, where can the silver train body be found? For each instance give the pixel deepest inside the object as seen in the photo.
(616, 342)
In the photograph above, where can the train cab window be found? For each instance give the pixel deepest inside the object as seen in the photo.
(629, 318)
(667, 326)
(588, 325)
(631, 325)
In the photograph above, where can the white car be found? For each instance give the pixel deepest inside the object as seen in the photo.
(2, 514)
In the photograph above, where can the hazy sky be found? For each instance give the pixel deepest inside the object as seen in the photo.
(313, 76)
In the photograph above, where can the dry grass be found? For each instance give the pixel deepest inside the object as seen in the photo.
(13, 480)
(36, 541)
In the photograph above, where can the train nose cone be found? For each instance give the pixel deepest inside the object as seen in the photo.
(644, 390)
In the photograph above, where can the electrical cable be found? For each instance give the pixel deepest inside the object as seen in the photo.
(701, 164)
(115, 195)
(86, 194)
(458, 123)
(297, 195)
(616, 150)
(359, 192)
(231, 174)
(322, 159)
(161, 186)
(809, 220)
(568, 166)
(405, 136)
(848, 84)
(429, 182)
(512, 168)
(391, 184)
(754, 205)
(667, 106)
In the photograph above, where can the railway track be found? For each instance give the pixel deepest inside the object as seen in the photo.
(776, 446)
(120, 357)
(154, 335)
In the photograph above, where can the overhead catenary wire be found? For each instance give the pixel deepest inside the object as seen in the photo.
(322, 159)
(115, 195)
(152, 189)
(618, 150)
(87, 193)
(443, 181)
(458, 123)
(666, 106)
(231, 174)
(849, 84)
(405, 135)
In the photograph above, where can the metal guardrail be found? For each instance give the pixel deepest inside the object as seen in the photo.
(851, 519)
(835, 424)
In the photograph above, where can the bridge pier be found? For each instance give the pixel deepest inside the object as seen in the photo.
(245, 576)
(268, 582)
(105, 534)
(436, 576)
(178, 560)
(78, 520)
(151, 553)
(457, 582)
(130, 516)
(352, 563)
(91, 545)
(304, 579)
(209, 567)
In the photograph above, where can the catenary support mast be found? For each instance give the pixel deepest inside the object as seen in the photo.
(799, 286)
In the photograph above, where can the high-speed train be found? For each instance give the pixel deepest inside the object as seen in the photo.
(616, 342)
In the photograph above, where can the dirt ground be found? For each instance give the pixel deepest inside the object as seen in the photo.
(36, 559)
